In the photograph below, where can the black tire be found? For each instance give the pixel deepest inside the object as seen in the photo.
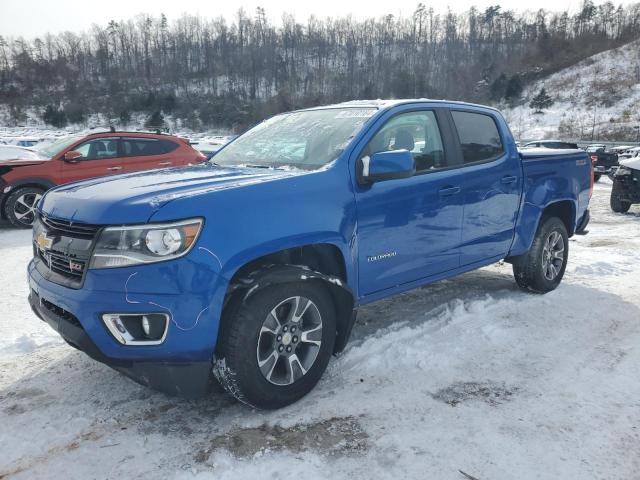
(531, 269)
(236, 364)
(19, 208)
(618, 205)
(596, 176)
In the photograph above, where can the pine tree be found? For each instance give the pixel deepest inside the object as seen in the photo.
(54, 116)
(541, 101)
(155, 121)
(513, 90)
(125, 117)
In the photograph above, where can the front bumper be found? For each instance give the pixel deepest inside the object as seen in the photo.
(628, 186)
(188, 379)
(180, 365)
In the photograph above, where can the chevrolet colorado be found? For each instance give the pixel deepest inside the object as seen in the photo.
(250, 268)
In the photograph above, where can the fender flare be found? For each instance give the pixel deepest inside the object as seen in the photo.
(47, 184)
(247, 286)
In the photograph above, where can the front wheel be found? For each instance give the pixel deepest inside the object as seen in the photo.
(596, 176)
(275, 346)
(20, 207)
(541, 269)
(617, 204)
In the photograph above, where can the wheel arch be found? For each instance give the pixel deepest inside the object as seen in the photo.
(531, 216)
(25, 183)
(565, 210)
(321, 262)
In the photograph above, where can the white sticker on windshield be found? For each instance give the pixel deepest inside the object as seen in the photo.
(355, 113)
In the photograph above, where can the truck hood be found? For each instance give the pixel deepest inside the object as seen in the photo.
(22, 162)
(134, 198)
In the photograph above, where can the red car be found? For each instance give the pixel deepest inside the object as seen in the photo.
(73, 158)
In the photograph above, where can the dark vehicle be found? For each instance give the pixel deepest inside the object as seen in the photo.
(554, 144)
(626, 185)
(23, 181)
(603, 161)
(251, 268)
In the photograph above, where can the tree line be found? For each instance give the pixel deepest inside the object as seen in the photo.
(231, 73)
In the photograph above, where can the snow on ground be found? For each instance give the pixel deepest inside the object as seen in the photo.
(468, 374)
(593, 98)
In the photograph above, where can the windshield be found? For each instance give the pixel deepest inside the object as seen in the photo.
(595, 149)
(307, 140)
(53, 149)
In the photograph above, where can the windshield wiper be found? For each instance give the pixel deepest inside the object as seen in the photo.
(256, 165)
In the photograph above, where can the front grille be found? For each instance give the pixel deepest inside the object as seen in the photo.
(56, 310)
(71, 229)
(63, 264)
(66, 257)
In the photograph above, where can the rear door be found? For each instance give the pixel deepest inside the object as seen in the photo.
(99, 158)
(142, 153)
(410, 228)
(492, 186)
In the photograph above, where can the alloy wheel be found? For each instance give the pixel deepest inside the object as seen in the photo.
(553, 255)
(24, 208)
(289, 340)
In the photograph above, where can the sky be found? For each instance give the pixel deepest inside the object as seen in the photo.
(32, 18)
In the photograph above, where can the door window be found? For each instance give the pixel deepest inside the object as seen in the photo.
(479, 136)
(416, 132)
(144, 147)
(98, 149)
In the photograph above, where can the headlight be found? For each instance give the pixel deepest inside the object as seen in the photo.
(139, 244)
(622, 171)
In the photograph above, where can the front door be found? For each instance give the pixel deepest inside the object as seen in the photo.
(99, 158)
(409, 229)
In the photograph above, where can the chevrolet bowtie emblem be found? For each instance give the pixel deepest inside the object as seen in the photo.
(44, 242)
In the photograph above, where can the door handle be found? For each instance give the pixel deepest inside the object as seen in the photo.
(448, 191)
(165, 163)
(111, 169)
(509, 179)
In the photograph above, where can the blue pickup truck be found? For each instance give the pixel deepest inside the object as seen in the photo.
(249, 269)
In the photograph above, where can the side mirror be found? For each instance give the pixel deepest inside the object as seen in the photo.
(72, 156)
(387, 166)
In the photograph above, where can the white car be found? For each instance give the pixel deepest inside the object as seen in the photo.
(209, 146)
(630, 153)
(10, 152)
(26, 142)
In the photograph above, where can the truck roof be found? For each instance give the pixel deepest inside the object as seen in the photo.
(381, 104)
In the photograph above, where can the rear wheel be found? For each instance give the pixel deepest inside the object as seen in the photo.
(20, 207)
(618, 205)
(541, 269)
(596, 176)
(275, 346)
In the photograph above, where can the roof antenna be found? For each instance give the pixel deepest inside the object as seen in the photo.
(112, 129)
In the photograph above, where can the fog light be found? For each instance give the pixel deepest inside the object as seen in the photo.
(146, 325)
(137, 328)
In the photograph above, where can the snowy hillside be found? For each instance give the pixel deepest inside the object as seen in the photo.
(598, 98)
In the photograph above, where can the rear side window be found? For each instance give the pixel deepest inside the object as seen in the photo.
(478, 135)
(143, 147)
